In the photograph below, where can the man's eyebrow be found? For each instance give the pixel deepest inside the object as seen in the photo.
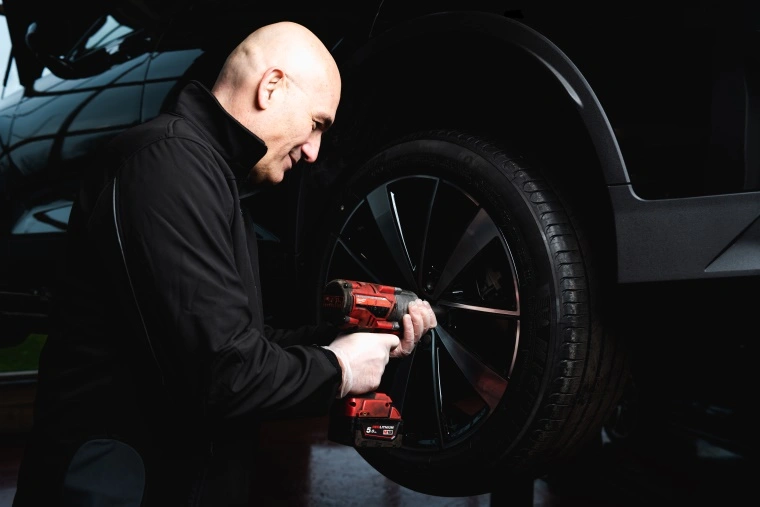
(325, 120)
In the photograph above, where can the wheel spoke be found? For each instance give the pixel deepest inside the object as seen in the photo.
(401, 373)
(426, 232)
(383, 207)
(371, 276)
(478, 309)
(440, 417)
(478, 234)
(489, 385)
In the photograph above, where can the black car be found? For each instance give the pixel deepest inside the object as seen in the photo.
(574, 186)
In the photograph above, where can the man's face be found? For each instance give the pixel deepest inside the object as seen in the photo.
(297, 118)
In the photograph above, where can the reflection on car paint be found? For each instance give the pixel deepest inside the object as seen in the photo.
(52, 217)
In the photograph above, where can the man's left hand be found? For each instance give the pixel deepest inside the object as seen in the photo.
(418, 321)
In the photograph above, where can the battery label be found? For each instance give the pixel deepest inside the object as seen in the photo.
(380, 430)
(378, 434)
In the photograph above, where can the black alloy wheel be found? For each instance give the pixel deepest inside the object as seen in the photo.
(518, 372)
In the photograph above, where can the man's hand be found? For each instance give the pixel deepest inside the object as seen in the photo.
(419, 319)
(362, 358)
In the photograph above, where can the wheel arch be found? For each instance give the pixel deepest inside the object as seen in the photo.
(412, 54)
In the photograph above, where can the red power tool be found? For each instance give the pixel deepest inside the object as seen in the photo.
(367, 420)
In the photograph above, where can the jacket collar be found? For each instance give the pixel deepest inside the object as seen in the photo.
(239, 147)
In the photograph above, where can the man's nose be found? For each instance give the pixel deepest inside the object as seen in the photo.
(310, 149)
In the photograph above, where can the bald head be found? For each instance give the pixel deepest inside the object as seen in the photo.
(282, 84)
(287, 45)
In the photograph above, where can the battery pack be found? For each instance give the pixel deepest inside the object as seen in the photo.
(368, 420)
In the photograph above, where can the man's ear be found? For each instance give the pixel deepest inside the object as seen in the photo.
(270, 83)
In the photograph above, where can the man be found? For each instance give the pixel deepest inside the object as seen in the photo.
(150, 391)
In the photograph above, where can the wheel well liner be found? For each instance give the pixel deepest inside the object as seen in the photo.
(398, 76)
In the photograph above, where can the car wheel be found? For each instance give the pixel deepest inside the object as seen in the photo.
(519, 373)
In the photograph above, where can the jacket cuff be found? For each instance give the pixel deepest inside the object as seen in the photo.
(330, 355)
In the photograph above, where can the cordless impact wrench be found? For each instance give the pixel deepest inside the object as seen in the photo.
(367, 420)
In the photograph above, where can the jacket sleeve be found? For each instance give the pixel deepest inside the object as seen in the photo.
(176, 212)
(321, 334)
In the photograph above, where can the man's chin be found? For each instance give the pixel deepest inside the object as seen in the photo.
(274, 179)
(268, 179)
(277, 178)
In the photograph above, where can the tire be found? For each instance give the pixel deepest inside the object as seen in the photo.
(519, 374)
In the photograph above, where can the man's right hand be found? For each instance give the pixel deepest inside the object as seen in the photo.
(362, 358)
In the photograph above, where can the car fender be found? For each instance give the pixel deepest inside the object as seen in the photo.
(508, 32)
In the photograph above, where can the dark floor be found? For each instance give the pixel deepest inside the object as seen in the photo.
(306, 470)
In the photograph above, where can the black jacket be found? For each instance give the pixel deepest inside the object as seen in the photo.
(161, 359)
